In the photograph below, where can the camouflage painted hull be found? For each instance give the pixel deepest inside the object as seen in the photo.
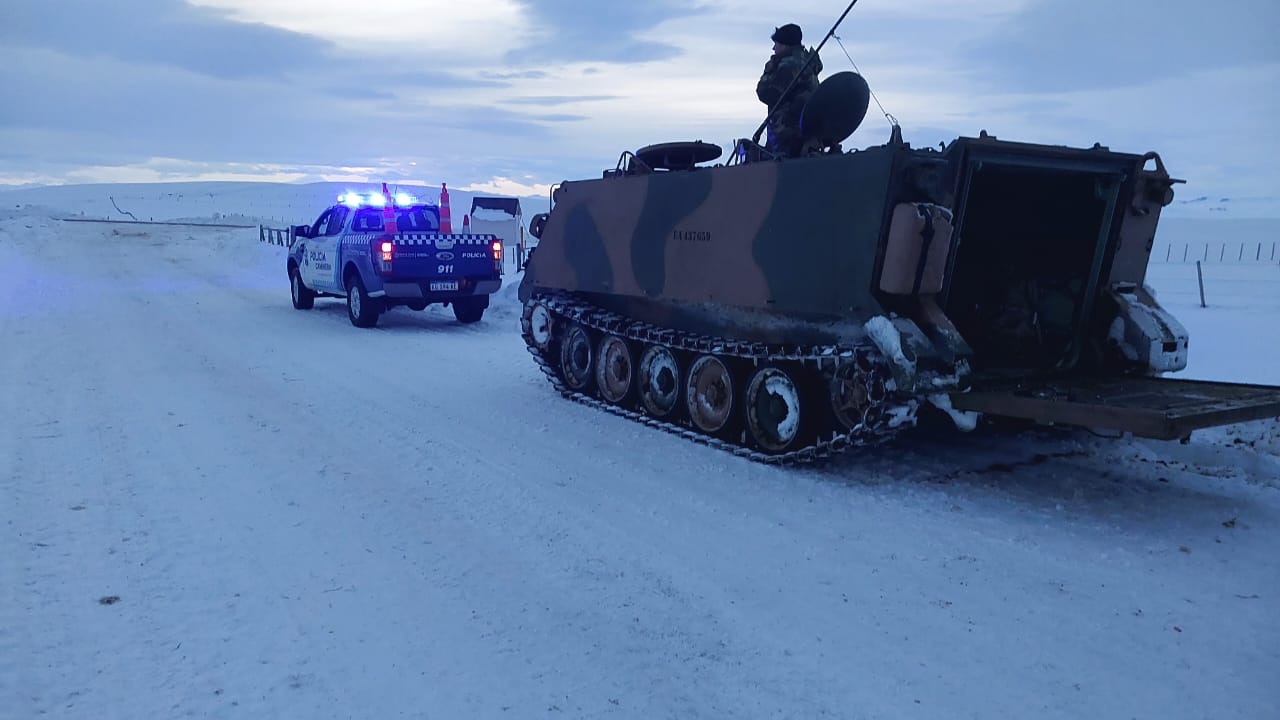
(834, 294)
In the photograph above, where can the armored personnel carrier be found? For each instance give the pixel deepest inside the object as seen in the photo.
(786, 308)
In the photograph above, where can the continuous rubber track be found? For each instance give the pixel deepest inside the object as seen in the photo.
(880, 427)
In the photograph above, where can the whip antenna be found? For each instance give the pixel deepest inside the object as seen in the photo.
(893, 121)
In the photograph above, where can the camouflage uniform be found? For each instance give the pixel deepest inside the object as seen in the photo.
(784, 129)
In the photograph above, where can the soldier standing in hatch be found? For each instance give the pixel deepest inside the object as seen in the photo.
(789, 58)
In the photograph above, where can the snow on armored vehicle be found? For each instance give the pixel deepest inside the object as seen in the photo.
(788, 308)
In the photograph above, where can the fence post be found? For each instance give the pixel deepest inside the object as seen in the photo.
(1185, 248)
(1200, 278)
(1168, 251)
(1241, 258)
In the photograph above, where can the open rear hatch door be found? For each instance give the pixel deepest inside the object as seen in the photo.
(1161, 408)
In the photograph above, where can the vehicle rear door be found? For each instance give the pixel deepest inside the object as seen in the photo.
(1154, 407)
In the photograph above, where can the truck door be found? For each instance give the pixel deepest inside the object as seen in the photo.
(320, 256)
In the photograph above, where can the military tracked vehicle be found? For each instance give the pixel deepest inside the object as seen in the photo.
(786, 308)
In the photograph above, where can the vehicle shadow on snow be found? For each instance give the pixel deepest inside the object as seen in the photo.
(436, 318)
(1051, 469)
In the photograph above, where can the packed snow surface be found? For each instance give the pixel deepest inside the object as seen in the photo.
(213, 505)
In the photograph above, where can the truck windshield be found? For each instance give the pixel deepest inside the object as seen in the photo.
(418, 218)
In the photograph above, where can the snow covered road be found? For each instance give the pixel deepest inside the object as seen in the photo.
(214, 505)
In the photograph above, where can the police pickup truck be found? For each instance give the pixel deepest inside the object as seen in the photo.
(380, 251)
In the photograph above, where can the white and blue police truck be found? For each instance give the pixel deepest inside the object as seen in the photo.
(349, 253)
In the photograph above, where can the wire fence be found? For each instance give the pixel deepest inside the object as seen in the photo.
(275, 236)
(171, 223)
(1222, 253)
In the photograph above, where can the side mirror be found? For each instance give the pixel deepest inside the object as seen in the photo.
(302, 231)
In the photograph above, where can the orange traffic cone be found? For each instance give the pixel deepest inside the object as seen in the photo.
(466, 224)
(446, 222)
(388, 212)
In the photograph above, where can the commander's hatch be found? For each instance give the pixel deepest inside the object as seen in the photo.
(1161, 408)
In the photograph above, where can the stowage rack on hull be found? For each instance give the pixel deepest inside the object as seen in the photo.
(768, 402)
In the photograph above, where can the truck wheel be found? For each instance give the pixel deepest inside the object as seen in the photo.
(361, 309)
(303, 297)
(468, 310)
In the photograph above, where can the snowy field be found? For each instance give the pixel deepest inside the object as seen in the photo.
(212, 505)
(272, 204)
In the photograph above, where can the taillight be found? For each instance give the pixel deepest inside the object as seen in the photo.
(384, 251)
(497, 256)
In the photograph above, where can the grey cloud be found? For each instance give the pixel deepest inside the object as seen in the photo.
(562, 117)
(600, 31)
(360, 91)
(170, 33)
(427, 80)
(1095, 44)
(516, 75)
(161, 32)
(108, 114)
(558, 99)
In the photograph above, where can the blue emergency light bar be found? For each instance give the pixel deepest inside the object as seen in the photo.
(374, 199)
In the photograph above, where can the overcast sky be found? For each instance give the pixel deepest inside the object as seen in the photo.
(511, 95)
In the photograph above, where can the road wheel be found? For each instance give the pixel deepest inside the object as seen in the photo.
(659, 382)
(361, 309)
(537, 325)
(709, 394)
(303, 297)
(577, 359)
(772, 410)
(615, 370)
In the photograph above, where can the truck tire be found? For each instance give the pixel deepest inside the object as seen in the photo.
(303, 297)
(469, 310)
(362, 310)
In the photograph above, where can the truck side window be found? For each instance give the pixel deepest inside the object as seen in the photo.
(337, 220)
(367, 220)
(319, 229)
(430, 220)
(419, 219)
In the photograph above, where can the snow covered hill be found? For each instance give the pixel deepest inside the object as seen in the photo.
(214, 505)
(229, 202)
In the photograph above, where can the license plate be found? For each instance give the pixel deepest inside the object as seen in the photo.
(444, 286)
